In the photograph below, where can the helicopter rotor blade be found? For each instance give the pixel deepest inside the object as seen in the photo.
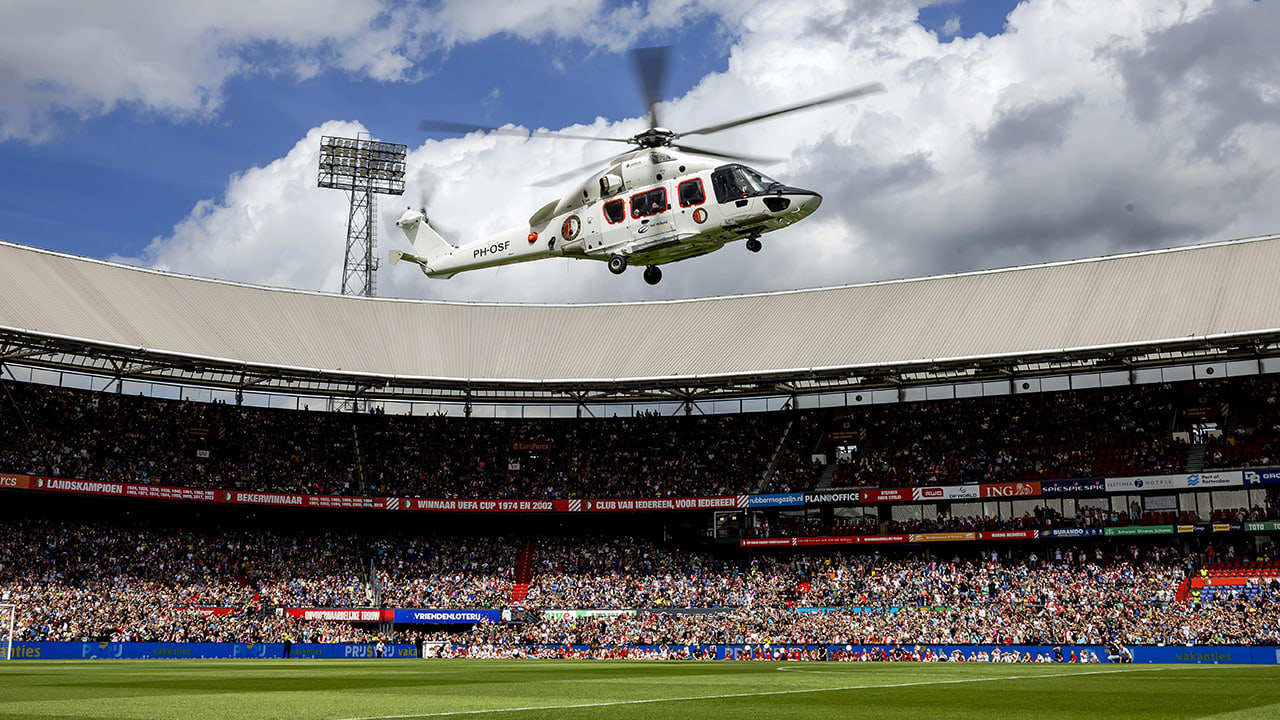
(556, 180)
(849, 94)
(651, 69)
(444, 126)
(725, 155)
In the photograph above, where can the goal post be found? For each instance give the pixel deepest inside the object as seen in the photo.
(8, 612)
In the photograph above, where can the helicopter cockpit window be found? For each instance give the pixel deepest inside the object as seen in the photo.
(615, 211)
(733, 182)
(649, 203)
(691, 193)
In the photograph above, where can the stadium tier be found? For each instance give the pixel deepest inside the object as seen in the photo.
(1144, 430)
(154, 581)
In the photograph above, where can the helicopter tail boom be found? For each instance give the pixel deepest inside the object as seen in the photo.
(423, 237)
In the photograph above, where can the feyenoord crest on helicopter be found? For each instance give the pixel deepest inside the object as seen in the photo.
(663, 202)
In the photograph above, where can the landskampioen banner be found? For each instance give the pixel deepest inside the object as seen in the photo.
(94, 487)
(356, 502)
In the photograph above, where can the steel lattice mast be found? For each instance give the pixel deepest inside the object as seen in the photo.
(365, 168)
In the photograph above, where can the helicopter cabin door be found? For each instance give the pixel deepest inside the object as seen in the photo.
(737, 191)
(650, 217)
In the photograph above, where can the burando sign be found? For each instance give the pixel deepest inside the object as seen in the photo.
(1191, 481)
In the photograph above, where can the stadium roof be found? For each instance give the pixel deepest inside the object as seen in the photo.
(1214, 301)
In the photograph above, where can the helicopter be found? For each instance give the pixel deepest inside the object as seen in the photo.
(662, 202)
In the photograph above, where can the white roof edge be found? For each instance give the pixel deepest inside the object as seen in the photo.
(524, 382)
(796, 291)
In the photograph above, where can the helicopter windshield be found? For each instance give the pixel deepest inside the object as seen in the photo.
(732, 182)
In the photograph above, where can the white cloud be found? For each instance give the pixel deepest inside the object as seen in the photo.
(89, 57)
(1072, 134)
(951, 27)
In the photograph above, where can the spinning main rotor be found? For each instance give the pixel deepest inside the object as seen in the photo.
(651, 67)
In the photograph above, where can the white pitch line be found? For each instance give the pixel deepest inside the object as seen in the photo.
(452, 713)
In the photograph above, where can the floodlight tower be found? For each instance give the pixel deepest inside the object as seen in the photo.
(364, 167)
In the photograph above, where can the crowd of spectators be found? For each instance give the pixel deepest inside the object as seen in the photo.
(1018, 437)
(48, 431)
(136, 581)
(1076, 597)
(119, 580)
(437, 572)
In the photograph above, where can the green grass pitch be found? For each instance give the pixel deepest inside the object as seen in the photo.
(534, 689)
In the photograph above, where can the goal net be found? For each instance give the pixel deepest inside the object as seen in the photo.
(7, 614)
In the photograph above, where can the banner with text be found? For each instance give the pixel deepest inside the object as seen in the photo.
(93, 487)
(1229, 478)
(452, 505)
(452, 617)
(1261, 477)
(1072, 487)
(726, 502)
(776, 500)
(346, 614)
(1011, 490)
(833, 497)
(1073, 533)
(347, 502)
(16, 482)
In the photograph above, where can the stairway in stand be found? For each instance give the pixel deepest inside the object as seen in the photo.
(524, 573)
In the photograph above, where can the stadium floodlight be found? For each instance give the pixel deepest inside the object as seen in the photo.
(365, 168)
(7, 614)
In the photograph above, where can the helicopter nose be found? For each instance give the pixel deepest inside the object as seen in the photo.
(808, 200)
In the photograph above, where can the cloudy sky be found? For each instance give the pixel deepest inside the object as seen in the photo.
(185, 135)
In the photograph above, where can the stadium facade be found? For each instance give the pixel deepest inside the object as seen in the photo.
(1207, 309)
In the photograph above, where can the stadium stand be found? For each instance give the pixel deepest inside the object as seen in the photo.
(156, 581)
(104, 436)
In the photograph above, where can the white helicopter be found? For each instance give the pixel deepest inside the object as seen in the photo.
(663, 202)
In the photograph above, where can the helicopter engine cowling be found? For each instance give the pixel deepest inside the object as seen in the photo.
(610, 184)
